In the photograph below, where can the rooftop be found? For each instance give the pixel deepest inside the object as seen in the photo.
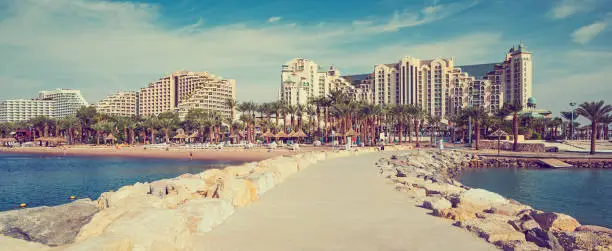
(477, 70)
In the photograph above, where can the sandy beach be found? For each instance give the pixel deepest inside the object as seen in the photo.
(227, 154)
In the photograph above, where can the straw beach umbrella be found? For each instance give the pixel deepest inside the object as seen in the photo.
(281, 135)
(110, 137)
(267, 135)
(351, 133)
(300, 134)
(181, 136)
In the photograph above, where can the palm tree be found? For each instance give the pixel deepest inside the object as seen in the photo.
(86, 115)
(568, 116)
(167, 124)
(417, 115)
(68, 124)
(6, 128)
(292, 110)
(102, 127)
(41, 123)
(477, 114)
(231, 105)
(514, 109)
(200, 118)
(434, 122)
(453, 122)
(237, 126)
(247, 120)
(595, 112)
(311, 112)
(605, 122)
(152, 123)
(555, 123)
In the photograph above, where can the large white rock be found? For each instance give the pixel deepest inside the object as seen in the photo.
(241, 170)
(126, 193)
(239, 192)
(262, 181)
(482, 199)
(204, 214)
(151, 225)
(436, 203)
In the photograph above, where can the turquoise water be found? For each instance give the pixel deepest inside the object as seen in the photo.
(51, 180)
(585, 194)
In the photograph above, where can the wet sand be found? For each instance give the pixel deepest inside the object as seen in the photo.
(227, 154)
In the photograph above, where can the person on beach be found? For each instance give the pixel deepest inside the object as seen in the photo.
(190, 155)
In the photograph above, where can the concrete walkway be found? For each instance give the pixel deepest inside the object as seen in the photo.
(340, 204)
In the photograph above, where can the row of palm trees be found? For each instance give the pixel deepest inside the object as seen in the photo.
(322, 118)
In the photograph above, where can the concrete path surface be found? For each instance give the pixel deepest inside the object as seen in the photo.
(340, 204)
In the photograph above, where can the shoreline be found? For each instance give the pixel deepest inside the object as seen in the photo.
(231, 154)
(184, 205)
(425, 175)
(432, 179)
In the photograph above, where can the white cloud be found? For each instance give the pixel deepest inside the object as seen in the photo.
(274, 19)
(362, 22)
(471, 48)
(428, 14)
(565, 81)
(566, 8)
(193, 27)
(563, 88)
(102, 46)
(585, 34)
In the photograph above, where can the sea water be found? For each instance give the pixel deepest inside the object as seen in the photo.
(51, 180)
(585, 194)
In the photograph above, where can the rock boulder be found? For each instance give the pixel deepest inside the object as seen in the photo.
(482, 199)
(493, 231)
(51, 226)
(436, 203)
(556, 221)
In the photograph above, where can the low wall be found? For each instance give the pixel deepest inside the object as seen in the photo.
(507, 146)
(517, 162)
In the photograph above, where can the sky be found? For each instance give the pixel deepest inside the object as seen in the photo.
(103, 46)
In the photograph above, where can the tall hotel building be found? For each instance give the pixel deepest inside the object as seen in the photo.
(119, 104)
(440, 88)
(303, 79)
(55, 104)
(67, 101)
(184, 90)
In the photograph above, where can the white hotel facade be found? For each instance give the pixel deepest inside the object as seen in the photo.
(438, 86)
(57, 104)
(303, 79)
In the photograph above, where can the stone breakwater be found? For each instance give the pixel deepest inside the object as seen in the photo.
(427, 176)
(161, 215)
(510, 162)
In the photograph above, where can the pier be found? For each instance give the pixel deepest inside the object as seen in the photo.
(554, 163)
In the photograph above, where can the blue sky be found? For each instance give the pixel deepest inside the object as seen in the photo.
(101, 47)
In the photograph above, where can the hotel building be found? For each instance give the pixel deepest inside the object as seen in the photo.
(185, 90)
(119, 104)
(67, 101)
(303, 79)
(513, 78)
(24, 109)
(440, 88)
(54, 104)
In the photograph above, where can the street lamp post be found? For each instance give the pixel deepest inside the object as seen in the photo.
(572, 104)
(470, 122)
